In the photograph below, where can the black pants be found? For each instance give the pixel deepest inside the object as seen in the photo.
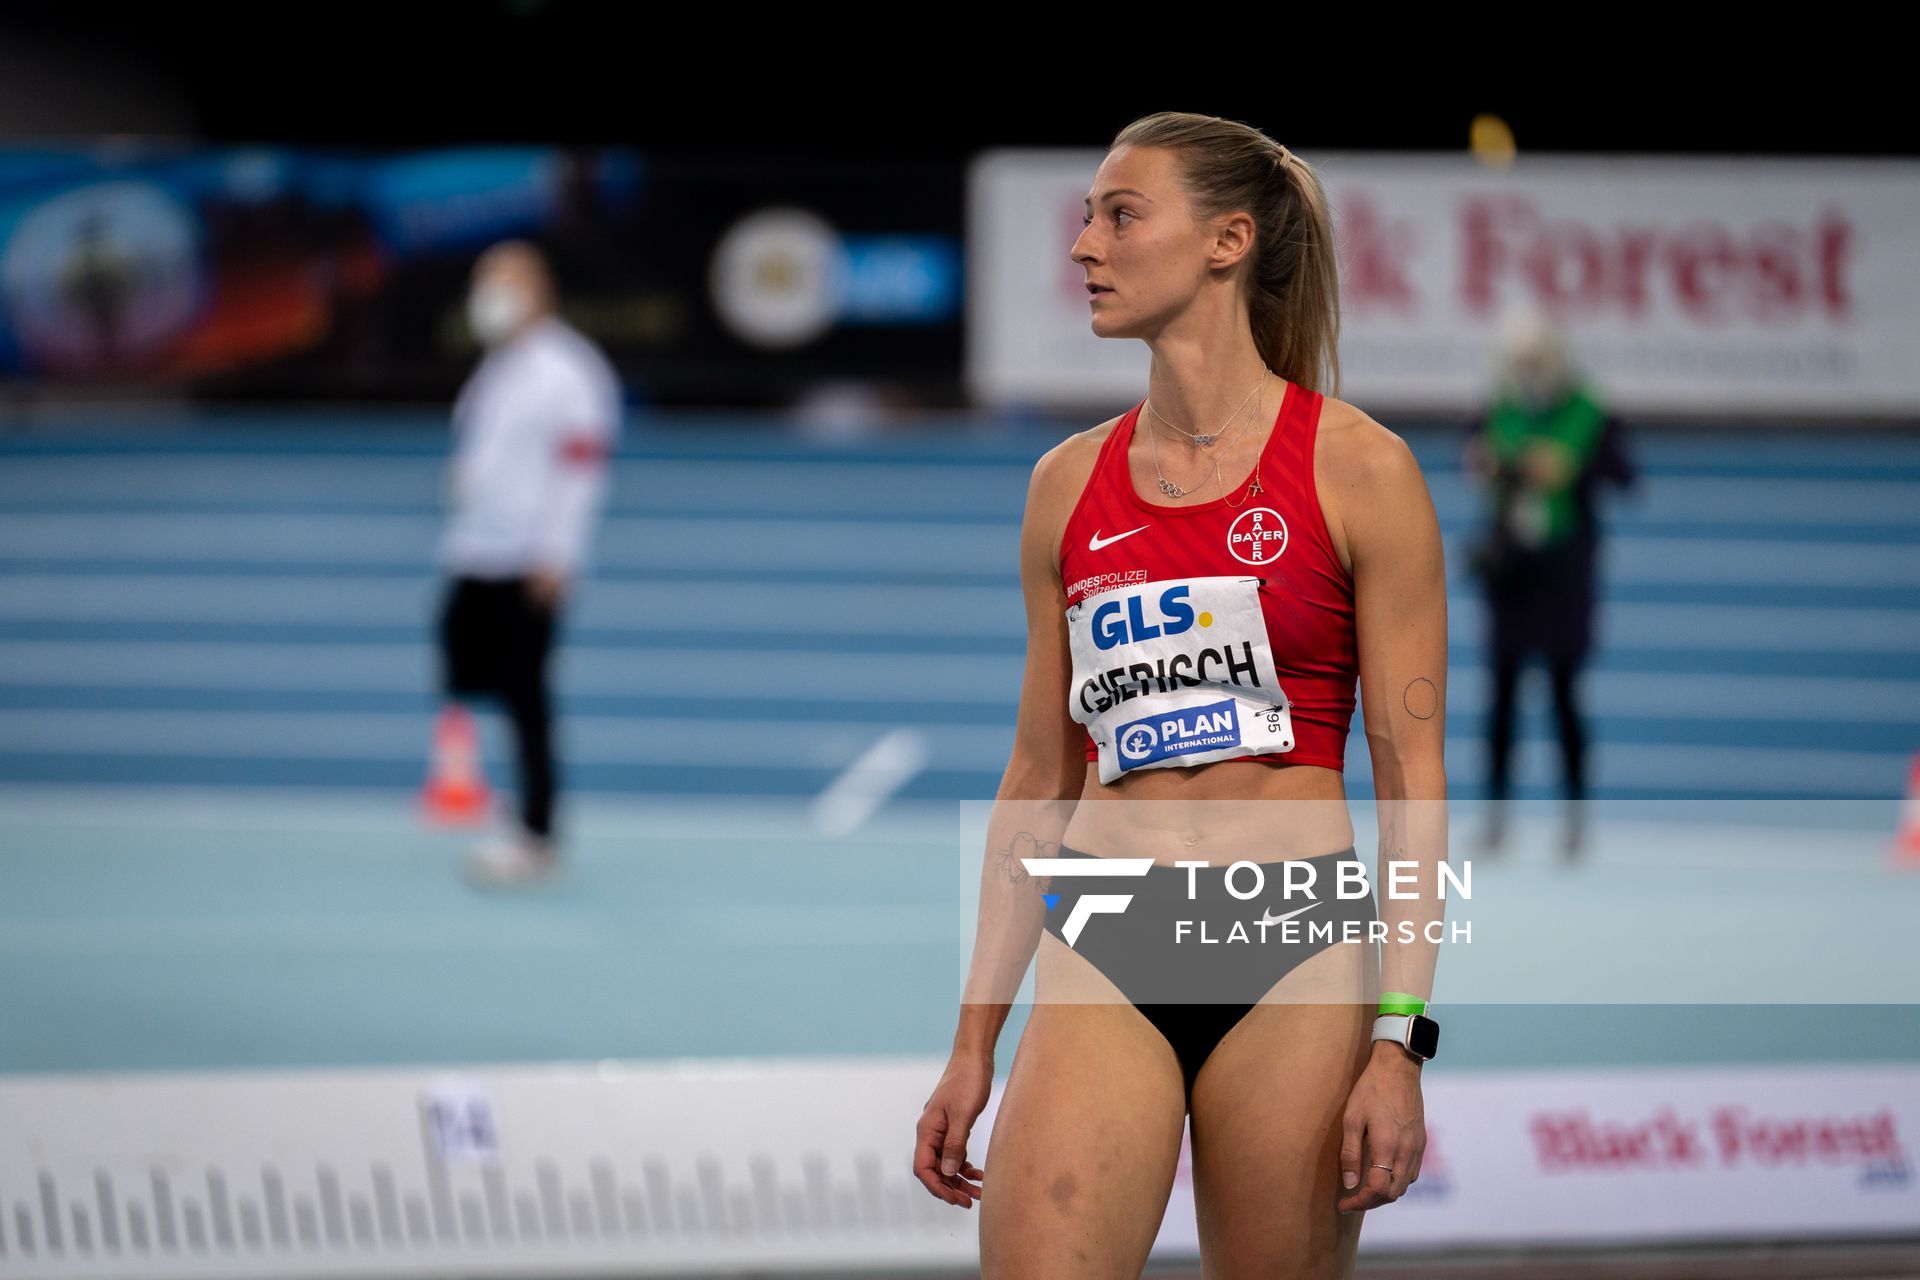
(1562, 672)
(494, 642)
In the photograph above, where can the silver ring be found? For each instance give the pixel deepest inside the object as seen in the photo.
(1387, 1167)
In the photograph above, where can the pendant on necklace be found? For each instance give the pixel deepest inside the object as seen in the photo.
(1203, 441)
(1169, 488)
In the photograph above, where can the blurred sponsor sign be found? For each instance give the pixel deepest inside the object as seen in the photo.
(1694, 286)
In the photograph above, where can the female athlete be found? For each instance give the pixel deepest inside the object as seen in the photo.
(1207, 577)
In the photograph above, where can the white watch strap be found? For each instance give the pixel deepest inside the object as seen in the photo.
(1392, 1026)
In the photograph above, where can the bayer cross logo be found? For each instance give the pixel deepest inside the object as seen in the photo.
(1257, 536)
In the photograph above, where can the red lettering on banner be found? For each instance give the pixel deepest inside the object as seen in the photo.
(1836, 235)
(1574, 1142)
(1772, 273)
(1778, 288)
(1567, 266)
(1374, 257)
(1483, 256)
(1703, 262)
(1637, 248)
(1802, 1140)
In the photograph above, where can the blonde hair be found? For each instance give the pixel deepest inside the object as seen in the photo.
(1293, 283)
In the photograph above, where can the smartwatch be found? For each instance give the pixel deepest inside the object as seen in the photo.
(1418, 1034)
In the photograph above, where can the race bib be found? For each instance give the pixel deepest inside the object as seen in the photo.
(1175, 673)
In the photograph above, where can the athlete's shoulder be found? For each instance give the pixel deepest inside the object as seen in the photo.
(1371, 489)
(1064, 469)
(1356, 453)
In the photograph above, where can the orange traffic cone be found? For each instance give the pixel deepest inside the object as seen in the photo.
(456, 790)
(1906, 845)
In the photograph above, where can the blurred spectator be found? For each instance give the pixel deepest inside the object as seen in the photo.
(1541, 450)
(533, 429)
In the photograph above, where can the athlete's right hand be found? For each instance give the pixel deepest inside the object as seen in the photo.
(940, 1140)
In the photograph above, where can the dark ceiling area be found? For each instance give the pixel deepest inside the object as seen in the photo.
(932, 82)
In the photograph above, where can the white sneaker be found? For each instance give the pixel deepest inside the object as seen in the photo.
(512, 859)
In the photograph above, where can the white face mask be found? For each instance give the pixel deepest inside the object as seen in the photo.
(495, 309)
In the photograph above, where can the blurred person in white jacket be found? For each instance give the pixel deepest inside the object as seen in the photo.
(534, 427)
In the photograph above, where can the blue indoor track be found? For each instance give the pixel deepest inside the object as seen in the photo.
(217, 693)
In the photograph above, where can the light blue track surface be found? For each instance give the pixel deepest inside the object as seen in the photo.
(216, 691)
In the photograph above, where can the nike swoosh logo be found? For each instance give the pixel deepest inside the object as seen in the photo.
(1290, 915)
(1097, 542)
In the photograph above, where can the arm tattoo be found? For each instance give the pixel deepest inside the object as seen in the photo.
(1023, 845)
(1421, 699)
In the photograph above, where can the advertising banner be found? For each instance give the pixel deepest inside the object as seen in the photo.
(1700, 287)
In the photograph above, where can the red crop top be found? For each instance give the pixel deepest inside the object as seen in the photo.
(1272, 533)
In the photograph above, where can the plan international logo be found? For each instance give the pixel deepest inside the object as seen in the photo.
(1207, 728)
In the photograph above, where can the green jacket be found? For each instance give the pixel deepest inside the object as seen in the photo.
(1537, 516)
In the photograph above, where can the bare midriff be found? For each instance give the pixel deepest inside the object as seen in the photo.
(1230, 809)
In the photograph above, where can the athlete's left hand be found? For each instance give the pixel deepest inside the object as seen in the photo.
(1385, 1124)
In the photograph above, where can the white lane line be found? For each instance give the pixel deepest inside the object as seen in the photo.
(864, 787)
(657, 741)
(676, 674)
(371, 541)
(789, 543)
(772, 608)
(640, 929)
(680, 675)
(1660, 768)
(960, 613)
(374, 735)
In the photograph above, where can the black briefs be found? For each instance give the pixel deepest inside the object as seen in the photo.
(1195, 983)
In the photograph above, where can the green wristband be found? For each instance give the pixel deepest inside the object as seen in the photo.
(1401, 1002)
